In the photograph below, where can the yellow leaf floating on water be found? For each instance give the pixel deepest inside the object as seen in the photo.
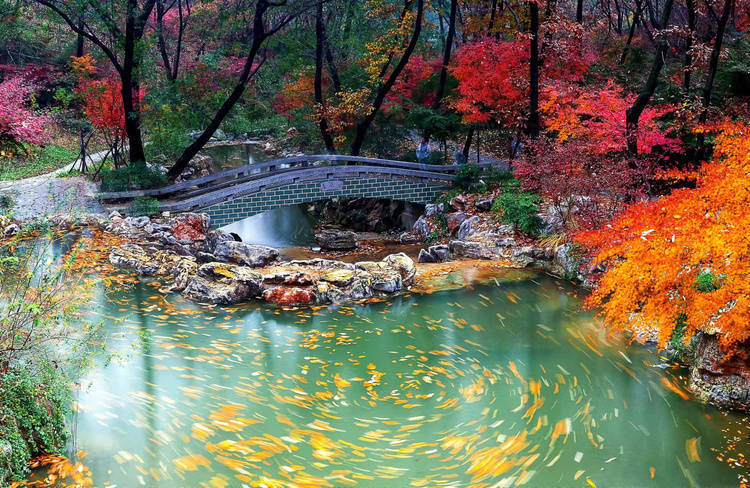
(691, 447)
(191, 462)
(340, 382)
(652, 472)
(591, 483)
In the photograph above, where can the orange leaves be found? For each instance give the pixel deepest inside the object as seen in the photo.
(191, 462)
(656, 251)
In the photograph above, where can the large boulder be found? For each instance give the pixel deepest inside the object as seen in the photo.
(467, 227)
(441, 252)
(188, 228)
(403, 264)
(422, 227)
(473, 249)
(718, 379)
(425, 257)
(484, 204)
(245, 254)
(459, 203)
(454, 220)
(148, 260)
(335, 239)
(432, 209)
(290, 295)
(223, 284)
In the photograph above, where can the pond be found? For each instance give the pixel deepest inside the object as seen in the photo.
(502, 383)
(227, 156)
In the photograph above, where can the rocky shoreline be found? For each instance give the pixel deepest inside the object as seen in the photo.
(209, 266)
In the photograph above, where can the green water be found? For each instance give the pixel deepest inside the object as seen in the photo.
(500, 385)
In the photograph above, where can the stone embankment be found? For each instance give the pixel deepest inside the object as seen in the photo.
(209, 266)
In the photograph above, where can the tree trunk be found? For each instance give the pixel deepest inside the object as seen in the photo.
(446, 55)
(364, 125)
(633, 26)
(533, 124)
(79, 39)
(319, 42)
(130, 86)
(467, 144)
(689, 45)
(633, 113)
(579, 11)
(259, 36)
(713, 65)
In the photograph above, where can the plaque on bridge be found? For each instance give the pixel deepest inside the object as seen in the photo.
(332, 185)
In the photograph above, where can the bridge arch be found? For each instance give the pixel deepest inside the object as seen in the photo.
(404, 188)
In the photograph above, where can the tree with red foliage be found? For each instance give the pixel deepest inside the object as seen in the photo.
(492, 81)
(585, 189)
(19, 124)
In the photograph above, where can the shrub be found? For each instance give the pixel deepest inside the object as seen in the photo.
(33, 407)
(137, 175)
(520, 210)
(706, 282)
(467, 177)
(143, 206)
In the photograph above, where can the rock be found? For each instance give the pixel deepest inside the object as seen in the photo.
(454, 220)
(484, 204)
(422, 227)
(321, 263)
(338, 277)
(459, 203)
(11, 230)
(137, 222)
(335, 239)
(148, 261)
(185, 271)
(290, 296)
(403, 264)
(720, 380)
(188, 228)
(551, 222)
(408, 238)
(425, 257)
(243, 253)
(114, 214)
(472, 250)
(214, 237)
(505, 242)
(205, 257)
(386, 281)
(288, 277)
(432, 209)
(223, 284)
(440, 252)
(565, 261)
(467, 227)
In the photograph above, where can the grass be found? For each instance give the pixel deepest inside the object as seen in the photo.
(38, 161)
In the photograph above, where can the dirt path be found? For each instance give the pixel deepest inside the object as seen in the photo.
(47, 194)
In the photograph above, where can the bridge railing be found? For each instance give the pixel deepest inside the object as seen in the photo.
(251, 172)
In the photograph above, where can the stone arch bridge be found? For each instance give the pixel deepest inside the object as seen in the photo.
(235, 194)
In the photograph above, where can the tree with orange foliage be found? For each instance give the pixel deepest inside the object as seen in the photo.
(685, 258)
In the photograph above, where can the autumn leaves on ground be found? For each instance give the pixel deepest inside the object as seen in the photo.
(622, 133)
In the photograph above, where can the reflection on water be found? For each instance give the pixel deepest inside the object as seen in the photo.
(501, 385)
(235, 155)
(281, 227)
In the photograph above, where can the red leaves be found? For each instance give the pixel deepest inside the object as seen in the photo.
(103, 104)
(493, 80)
(18, 122)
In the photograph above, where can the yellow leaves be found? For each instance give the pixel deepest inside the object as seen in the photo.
(675, 388)
(191, 462)
(691, 448)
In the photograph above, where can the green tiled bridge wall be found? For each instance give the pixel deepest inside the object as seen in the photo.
(396, 188)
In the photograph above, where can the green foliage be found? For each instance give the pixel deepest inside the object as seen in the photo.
(438, 124)
(519, 209)
(467, 177)
(36, 161)
(137, 175)
(706, 282)
(6, 202)
(243, 123)
(33, 407)
(143, 206)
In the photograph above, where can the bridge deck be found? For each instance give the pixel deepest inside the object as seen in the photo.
(251, 179)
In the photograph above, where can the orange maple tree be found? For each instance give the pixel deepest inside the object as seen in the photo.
(684, 260)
